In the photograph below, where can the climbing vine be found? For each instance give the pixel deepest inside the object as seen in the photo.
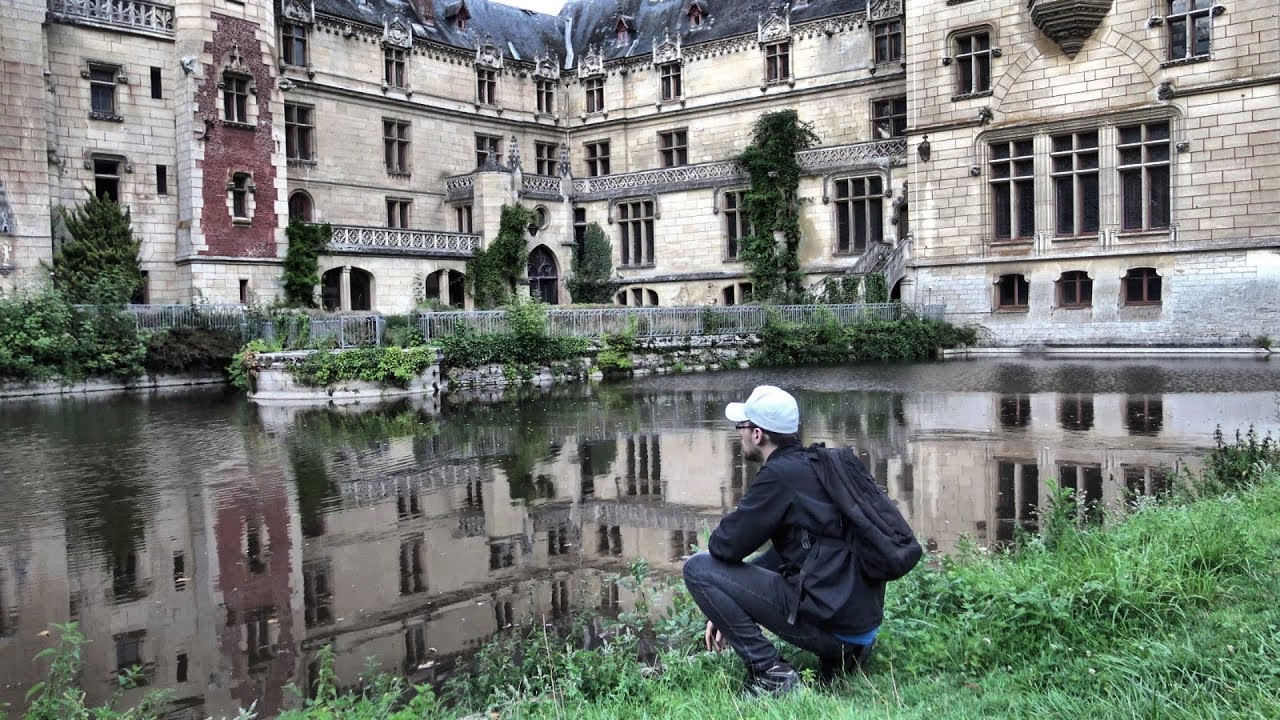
(772, 205)
(301, 262)
(493, 272)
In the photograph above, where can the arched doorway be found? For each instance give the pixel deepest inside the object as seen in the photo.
(447, 287)
(895, 295)
(544, 277)
(300, 207)
(359, 289)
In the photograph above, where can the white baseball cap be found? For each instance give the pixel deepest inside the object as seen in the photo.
(770, 408)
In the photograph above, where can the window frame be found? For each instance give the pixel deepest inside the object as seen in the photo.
(294, 44)
(236, 89)
(545, 95)
(671, 81)
(777, 61)
(737, 224)
(488, 147)
(856, 232)
(897, 121)
(595, 159)
(970, 61)
(1147, 277)
(636, 225)
(1148, 169)
(486, 86)
(1018, 183)
(545, 158)
(1189, 19)
(593, 89)
(104, 77)
(299, 132)
(1021, 288)
(1083, 284)
(101, 173)
(395, 66)
(399, 213)
(1078, 179)
(891, 52)
(673, 147)
(240, 188)
(397, 143)
(463, 218)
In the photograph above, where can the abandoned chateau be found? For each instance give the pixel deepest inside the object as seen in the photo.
(1089, 171)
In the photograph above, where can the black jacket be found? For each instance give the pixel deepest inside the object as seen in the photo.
(786, 504)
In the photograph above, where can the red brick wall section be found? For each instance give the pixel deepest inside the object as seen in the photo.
(232, 149)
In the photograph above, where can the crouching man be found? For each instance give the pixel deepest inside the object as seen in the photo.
(808, 588)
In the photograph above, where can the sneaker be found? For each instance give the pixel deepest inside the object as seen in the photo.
(854, 658)
(779, 679)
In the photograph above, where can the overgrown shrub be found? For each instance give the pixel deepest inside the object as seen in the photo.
(493, 272)
(243, 369)
(99, 262)
(526, 342)
(828, 341)
(191, 349)
(591, 280)
(403, 331)
(615, 353)
(43, 336)
(60, 698)
(386, 365)
(877, 288)
(301, 264)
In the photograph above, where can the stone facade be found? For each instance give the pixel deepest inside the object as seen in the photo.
(427, 119)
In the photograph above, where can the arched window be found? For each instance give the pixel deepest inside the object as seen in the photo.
(359, 295)
(448, 287)
(300, 207)
(735, 294)
(1075, 289)
(1142, 286)
(544, 276)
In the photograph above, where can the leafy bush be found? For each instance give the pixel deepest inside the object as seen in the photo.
(404, 331)
(60, 698)
(43, 336)
(190, 349)
(243, 369)
(526, 342)
(301, 264)
(383, 698)
(591, 281)
(617, 349)
(387, 365)
(877, 289)
(827, 341)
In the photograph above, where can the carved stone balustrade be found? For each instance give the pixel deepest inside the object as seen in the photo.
(389, 241)
(136, 15)
(1069, 23)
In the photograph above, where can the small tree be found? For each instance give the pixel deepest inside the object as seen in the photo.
(493, 272)
(301, 261)
(99, 263)
(591, 281)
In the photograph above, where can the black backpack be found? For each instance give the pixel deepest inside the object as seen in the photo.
(886, 546)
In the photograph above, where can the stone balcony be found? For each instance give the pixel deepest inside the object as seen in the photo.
(138, 16)
(354, 239)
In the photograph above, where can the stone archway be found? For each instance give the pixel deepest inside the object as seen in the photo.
(447, 287)
(347, 288)
(544, 276)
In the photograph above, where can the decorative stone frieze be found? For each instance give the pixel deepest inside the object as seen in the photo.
(355, 239)
(885, 10)
(297, 11)
(668, 52)
(397, 33)
(776, 27)
(547, 67)
(1069, 23)
(488, 54)
(592, 63)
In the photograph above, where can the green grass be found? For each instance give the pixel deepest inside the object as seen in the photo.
(1169, 612)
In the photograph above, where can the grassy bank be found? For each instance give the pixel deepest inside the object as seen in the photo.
(1166, 612)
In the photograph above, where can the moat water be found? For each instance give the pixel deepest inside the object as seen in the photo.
(219, 544)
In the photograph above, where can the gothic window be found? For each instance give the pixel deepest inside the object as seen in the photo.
(597, 158)
(235, 98)
(462, 218)
(102, 91)
(129, 650)
(889, 117)
(546, 95)
(777, 61)
(299, 132)
(1144, 176)
(1074, 169)
(486, 86)
(293, 44)
(393, 70)
(636, 225)
(736, 224)
(488, 147)
(1015, 410)
(859, 207)
(240, 190)
(973, 62)
(594, 88)
(1075, 412)
(300, 207)
(1144, 414)
(106, 177)
(888, 41)
(545, 155)
(317, 594)
(735, 294)
(395, 145)
(412, 574)
(1190, 28)
(672, 81)
(673, 145)
(398, 213)
(1013, 194)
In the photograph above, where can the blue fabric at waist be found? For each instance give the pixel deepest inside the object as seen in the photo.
(865, 638)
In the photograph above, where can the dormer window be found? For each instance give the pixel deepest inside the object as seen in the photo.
(624, 37)
(623, 29)
(695, 17)
(457, 12)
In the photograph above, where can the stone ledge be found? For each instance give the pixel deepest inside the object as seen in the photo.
(1111, 352)
(148, 382)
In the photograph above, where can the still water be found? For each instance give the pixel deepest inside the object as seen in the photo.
(217, 544)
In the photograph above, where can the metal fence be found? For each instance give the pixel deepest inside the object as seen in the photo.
(348, 331)
(150, 318)
(673, 321)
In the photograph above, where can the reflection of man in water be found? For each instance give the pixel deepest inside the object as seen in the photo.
(807, 588)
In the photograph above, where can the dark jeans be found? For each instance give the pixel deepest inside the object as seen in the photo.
(741, 597)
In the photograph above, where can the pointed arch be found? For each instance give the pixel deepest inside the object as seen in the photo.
(544, 275)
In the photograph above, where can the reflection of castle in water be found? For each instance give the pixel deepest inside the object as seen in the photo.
(413, 534)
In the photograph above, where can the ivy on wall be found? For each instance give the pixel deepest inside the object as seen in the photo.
(493, 272)
(772, 205)
(301, 262)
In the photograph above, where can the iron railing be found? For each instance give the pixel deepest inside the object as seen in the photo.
(348, 331)
(154, 318)
(672, 321)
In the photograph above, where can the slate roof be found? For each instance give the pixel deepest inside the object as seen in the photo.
(526, 35)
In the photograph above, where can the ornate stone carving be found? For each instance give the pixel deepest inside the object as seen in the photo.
(1069, 23)
(347, 238)
(489, 54)
(669, 51)
(592, 63)
(1165, 91)
(513, 153)
(776, 27)
(298, 11)
(564, 159)
(885, 10)
(6, 218)
(397, 32)
(547, 67)
(235, 63)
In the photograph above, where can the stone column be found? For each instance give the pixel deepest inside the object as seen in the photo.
(446, 298)
(344, 289)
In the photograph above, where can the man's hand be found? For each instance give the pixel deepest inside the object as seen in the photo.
(714, 640)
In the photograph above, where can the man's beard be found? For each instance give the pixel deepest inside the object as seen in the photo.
(752, 453)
